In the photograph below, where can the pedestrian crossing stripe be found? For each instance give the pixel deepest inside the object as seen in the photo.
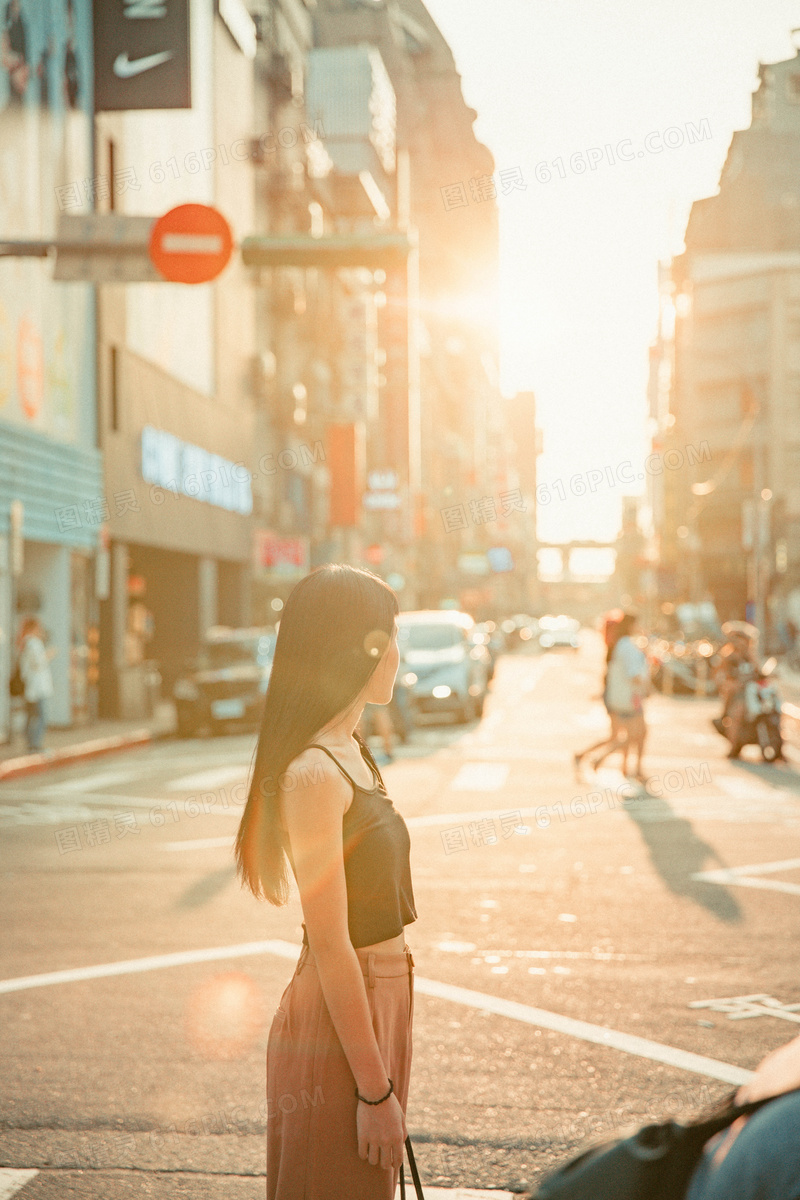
(12, 1179)
(600, 1035)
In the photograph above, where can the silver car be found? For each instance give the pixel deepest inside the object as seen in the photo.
(444, 667)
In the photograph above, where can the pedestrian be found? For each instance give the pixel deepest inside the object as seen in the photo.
(34, 667)
(623, 696)
(339, 1048)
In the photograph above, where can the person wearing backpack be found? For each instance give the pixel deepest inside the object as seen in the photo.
(34, 668)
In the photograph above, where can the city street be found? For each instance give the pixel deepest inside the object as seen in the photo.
(554, 916)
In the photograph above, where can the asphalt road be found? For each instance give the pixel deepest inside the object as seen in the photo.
(579, 903)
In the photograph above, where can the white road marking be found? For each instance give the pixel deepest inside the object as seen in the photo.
(742, 1008)
(11, 1180)
(744, 876)
(480, 777)
(199, 844)
(88, 782)
(598, 1034)
(154, 963)
(208, 780)
(747, 788)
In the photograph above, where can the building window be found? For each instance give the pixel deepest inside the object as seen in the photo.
(114, 388)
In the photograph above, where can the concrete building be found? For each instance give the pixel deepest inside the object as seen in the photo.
(176, 394)
(729, 512)
(445, 190)
(51, 484)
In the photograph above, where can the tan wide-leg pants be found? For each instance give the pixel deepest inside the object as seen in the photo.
(312, 1145)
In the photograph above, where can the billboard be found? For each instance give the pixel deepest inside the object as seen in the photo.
(141, 54)
(46, 329)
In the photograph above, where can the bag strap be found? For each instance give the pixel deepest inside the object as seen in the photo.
(414, 1174)
(732, 1111)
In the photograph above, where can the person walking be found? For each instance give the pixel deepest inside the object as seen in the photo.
(339, 1047)
(34, 667)
(623, 696)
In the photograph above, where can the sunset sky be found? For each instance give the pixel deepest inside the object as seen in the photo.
(550, 78)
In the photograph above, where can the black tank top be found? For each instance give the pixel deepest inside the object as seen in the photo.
(380, 899)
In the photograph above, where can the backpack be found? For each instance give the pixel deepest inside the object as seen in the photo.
(655, 1163)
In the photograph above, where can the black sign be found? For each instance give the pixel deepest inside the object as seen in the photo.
(141, 54)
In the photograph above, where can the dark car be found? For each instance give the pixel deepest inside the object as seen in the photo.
(225, 685)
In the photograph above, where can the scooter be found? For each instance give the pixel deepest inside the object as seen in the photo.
(762, 717)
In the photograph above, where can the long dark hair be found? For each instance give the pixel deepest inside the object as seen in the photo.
(622, 628)
(334, 629)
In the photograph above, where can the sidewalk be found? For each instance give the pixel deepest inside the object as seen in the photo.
(87, 741)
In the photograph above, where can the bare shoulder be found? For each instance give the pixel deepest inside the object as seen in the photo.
(312, 778)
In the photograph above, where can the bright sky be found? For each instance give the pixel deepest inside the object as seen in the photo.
(550, 78)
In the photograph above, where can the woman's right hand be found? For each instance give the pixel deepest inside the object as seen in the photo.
(381, 1132)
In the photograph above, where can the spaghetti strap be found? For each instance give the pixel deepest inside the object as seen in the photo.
(346, 773)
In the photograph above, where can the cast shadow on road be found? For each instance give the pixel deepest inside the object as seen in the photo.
(783, 776)
(207, 888)
(677, 853)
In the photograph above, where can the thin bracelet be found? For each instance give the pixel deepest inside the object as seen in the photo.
(386, 1097)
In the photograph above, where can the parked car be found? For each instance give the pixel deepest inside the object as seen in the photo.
(559, 631)
(519, 630)
(225, 685)
(445, 669)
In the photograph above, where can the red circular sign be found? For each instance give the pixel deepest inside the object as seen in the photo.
(191, 244)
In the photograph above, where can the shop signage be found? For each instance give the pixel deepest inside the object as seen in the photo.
(188, 470)
(500, 558)
(381, 500)
(141, 54)
(287, 557)
(382, 490)
(473, 563)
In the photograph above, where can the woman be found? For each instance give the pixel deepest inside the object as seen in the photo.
(623, 695)
(34, 667)
(339, 1049)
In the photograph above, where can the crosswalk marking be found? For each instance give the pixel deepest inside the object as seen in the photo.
(12, 1179)
(480, 777)
(199, 843)
(600, 1035)
(204, 781)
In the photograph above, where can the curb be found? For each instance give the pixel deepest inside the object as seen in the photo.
(30, 764)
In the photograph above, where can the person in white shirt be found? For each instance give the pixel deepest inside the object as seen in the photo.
(625, 688)
(34, 667)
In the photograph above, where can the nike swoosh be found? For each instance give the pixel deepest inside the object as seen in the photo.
(124, 68)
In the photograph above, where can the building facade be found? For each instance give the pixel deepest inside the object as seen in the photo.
(728, 510)
(50, 464)
(175, 380)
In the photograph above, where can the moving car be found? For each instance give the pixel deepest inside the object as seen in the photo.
(441, 663)
(559, 631)
(225, 685)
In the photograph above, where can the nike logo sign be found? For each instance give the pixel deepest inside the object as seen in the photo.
(125, 69)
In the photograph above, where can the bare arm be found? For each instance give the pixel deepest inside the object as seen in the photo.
(313, 814)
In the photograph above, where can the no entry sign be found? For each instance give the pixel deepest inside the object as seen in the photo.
(191, 244)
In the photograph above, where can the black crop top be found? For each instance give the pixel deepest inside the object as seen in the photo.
(380, 899)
